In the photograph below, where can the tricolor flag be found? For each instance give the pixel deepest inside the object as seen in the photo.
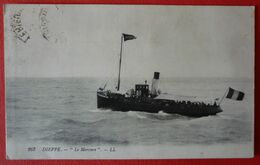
(128, 37)
(235, 94)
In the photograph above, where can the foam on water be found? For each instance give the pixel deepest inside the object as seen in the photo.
(136, 114)
(99, 110)
(163, 113)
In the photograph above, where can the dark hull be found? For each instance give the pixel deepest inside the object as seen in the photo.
(119, 102)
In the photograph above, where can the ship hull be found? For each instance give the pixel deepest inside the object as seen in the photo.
(119, 102)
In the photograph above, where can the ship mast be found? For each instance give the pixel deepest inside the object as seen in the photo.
(124, 37)
(120, 59)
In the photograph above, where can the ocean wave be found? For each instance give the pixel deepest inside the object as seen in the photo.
(205, 118)
(69, 122)
(69, 102)
(22, 107)
(100, 122)
(156, 116)
(143, 116)
(223, 118)
(136, 114)
(163, 113)
(82, 137)
(71, 96)
(168, 117)
(103, 140)
(100, 110)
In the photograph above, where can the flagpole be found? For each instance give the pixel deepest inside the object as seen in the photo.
(120, 59)
(223, 96)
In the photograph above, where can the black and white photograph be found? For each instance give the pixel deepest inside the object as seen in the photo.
(129, 81)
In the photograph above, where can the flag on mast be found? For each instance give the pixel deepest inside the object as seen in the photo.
(124, 37)
(128, 37)
(235, 94)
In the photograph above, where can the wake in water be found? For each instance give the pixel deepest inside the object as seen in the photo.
(100, 110)
(156, 116)
(143, 115)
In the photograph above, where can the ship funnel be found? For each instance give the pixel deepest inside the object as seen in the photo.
(155, 82)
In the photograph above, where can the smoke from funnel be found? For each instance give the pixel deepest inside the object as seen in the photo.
(155, 82)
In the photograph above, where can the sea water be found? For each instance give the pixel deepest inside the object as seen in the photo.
(63, 112)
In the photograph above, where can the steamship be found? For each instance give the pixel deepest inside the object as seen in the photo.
(146, 100)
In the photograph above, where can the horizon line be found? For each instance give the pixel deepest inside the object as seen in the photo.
(113, 77)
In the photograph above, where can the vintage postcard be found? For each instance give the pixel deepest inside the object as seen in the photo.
(129, 81)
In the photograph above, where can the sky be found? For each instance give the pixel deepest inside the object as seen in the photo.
(84, 41)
